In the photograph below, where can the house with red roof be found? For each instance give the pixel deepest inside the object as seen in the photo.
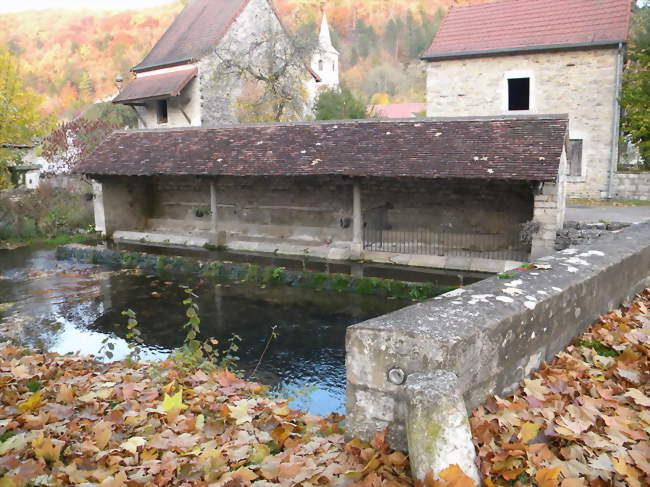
(536, 57)
(182, 82)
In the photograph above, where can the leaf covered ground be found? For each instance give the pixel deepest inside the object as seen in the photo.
(70, 420)
(582, 420)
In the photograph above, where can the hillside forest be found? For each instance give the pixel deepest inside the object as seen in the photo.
(71, 57)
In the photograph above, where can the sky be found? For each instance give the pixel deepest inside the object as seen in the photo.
(16, 6)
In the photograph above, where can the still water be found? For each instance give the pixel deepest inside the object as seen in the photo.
(68, 307)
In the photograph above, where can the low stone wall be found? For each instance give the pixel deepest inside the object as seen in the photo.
(632, 186)
(491, 334)
(234, 271)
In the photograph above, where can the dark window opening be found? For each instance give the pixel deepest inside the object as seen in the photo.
(519, 94)
(162, 111)
(575, 157)
(320, 65)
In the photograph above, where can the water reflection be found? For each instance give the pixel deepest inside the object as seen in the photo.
(67, 307)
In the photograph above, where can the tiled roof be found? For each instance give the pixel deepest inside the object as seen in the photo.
(399, 110)
(514, 25)
(197, 29)
(156, 86)
(521, 148)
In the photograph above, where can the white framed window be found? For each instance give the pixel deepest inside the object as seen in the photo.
(518, 92)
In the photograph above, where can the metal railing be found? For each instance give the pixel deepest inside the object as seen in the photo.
(500, 246)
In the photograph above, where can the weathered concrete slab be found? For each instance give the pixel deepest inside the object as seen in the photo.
(438, 430)
(491, 334)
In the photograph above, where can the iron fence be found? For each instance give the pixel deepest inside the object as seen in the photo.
(500, 246)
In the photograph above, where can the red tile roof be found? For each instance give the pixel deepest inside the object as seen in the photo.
(399, 110)
(514, 25)
(519, 148)
(156, 86)
(197, 29)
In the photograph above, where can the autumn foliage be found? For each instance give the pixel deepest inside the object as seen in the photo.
(583, 420)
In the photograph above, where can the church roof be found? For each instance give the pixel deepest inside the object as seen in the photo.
(197, 29)
(156, 86)
(505, 148)
(530, 25)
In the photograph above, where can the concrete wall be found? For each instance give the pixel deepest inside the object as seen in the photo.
(580, 83)
(122, 203)
(632, 186)
(491, 334)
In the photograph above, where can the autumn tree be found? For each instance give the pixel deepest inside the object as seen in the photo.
(20, 118)
(268, 73)
(72, 141)
(340, 104)
(635, 95)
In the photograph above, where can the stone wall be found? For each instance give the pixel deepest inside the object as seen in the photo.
(491, 334)
(219, 92)
(633, 186)
(579, 82)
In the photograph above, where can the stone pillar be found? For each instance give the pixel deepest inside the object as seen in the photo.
(437, 427)
(357, 221)
(98, 207)
(549, 217)
(213, 207)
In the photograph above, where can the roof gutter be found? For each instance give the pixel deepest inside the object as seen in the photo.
(513, 50)
(162, 65)
(616, 124)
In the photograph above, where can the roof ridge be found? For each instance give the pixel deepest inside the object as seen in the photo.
(363, 121)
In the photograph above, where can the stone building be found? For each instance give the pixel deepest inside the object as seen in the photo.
(462, 193)
(535, 57)
(179, 83)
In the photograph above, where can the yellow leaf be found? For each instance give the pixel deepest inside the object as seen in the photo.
(103, 433)
(31, 403)
(5, 482)
(528, 431)
(260, 453)
(239, 412)
(547, 477)
(629, 472)
(455, 477)
(173, 403)
(131, 445)
(573, 482)
(46, 449)
(65, 394)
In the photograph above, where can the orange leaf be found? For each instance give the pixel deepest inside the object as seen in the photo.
(455, 477)
(547, 477)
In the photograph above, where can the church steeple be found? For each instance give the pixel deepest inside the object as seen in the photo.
(325, 61)
(325, 39)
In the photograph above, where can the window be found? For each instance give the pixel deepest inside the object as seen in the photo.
(575, 157)
(518, 94)
(161, 107)
(320, 65)
(334, 66)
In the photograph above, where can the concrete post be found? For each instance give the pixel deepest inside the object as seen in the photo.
(213, 207)
(98, 207)
(357, 221)
(437, 427)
